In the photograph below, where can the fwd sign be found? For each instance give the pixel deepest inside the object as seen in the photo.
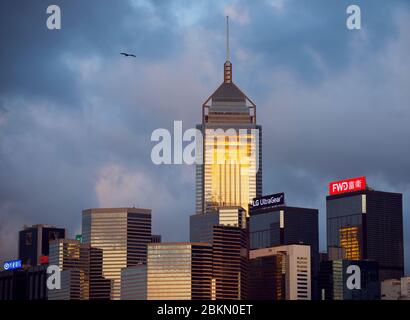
(348, 185)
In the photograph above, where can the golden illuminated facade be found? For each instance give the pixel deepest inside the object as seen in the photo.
(118, 238)
(232, 216)
(179, 271)
(350, 242)
(230, 173)
(367, 225)
(73, 259)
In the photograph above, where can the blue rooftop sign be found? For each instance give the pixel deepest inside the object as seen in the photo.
(11, 265)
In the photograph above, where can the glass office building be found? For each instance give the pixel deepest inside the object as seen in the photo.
(367, 225)
(179, 271)
(227, 232)
(24, 284)
(34, 242)
(267, 278)
(73, 259)
(134, 283)
(228, 177)
(333, 278)
(283, 225)
(118, 238)
(72, 282)
(230, 170)
(396, 289)
(345, 225)
(280, 273)
(230, 263)
(201, 225)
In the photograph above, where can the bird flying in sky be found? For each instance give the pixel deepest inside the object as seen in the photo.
(128, 54)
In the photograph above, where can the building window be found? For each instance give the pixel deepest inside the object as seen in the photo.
(350, 242)
(28, 238)
(52, 235)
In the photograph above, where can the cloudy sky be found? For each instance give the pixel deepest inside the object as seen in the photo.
(76, 117)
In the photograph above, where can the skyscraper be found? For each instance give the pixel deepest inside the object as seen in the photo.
(201, 225)
(178, 271)
(134, 282)
(226, 231)
(227, 180)
(274, 223)
(118, 238)
(267, 277)
(333, 276)
(34, 242)
(280, 273)
(73, 259)
(29, 282)
(364, 224)
(230, 263)
(396, 289)
(24, 284)
(231, 170)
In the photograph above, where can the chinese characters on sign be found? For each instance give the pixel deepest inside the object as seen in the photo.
(348, 185)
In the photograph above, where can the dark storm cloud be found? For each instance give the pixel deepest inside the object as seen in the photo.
(50, 152)
(288, 37)
(333, 103)
(31, 55)
(2, 110)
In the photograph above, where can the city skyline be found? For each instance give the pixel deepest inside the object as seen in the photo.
(88, 143)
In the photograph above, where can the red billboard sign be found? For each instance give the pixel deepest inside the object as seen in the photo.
(348, 185)
(43, 259)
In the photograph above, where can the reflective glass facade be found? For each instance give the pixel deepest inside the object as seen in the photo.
(226, 230)
(230, 173)
(179, 271)
(345, 226)
(71, 286)
(34, 242)
(267, 278)
(284, 225)
(350, 242)
(280, 273)
(23, 284)
(119, 238)
(134, 283)
(333, 278)
(230, 263)
(368, 225)
(230, 169)
(73, 258)
(201, 226)
(265, 229)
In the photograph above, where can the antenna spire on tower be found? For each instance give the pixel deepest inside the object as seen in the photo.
(228, 57)
(228, 64)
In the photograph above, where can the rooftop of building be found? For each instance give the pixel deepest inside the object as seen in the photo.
(368, 190)
(284, 207)
(35, 226)
(117, 210)
(165, 244)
